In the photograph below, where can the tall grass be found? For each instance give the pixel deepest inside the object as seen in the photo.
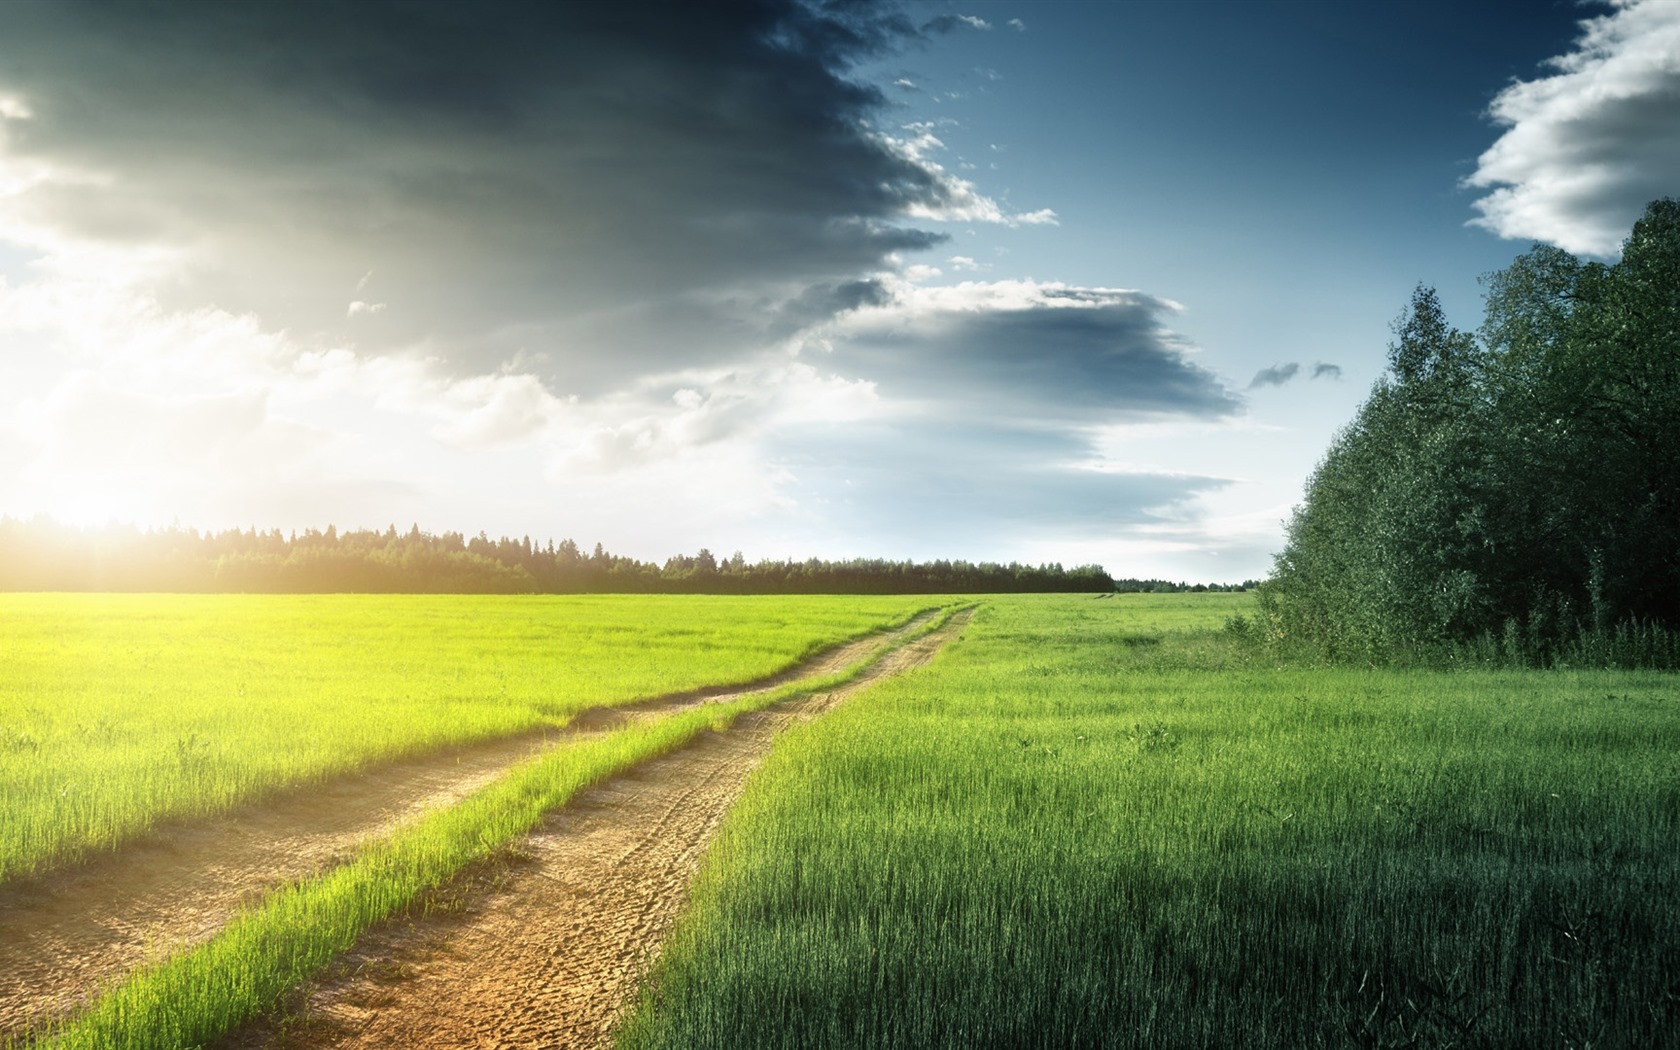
(204, 991)
(121, 711)
(1068, 831)
(1632, 644)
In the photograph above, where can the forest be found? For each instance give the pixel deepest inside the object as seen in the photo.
(41, 555)
(1513, 492)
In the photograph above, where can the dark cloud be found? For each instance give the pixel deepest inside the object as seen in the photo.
(974, 485)
(1277, 375)
(824, 301)
(1065, 356)
(1324, 370)
(512, 175)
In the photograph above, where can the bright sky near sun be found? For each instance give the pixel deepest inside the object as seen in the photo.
(1082, 282)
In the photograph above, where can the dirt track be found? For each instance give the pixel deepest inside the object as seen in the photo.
(67, 932)
(545, 947)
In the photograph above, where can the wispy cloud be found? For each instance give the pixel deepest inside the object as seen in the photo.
(1325, 370)
(946, 23)
(951, 198)
(1587, 147)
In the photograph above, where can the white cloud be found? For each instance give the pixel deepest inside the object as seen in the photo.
(124, 410)
(955, 199)
(498, 410)
(1041, 217)
(1586, 148)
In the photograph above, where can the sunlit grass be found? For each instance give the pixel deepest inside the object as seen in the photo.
(204, 991)
(1070, 831)
(120, 711)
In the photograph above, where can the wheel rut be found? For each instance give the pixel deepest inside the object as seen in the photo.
(545, 946)
(65, 933)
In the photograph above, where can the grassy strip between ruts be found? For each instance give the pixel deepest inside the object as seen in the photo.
(206, 990)
(1096, 823)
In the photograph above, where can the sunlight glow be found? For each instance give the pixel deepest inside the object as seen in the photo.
(86, 501)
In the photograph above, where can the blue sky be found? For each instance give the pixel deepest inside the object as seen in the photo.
(1048, 281)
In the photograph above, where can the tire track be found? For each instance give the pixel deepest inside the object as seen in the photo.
(65, 933)
(545, 947)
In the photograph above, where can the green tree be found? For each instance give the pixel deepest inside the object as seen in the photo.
(1385, 552)
(1526, 484)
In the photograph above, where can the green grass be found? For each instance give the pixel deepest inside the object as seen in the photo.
(204, 991)
(121, 711)
(1108, 824)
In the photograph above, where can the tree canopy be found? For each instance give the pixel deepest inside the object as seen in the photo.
(1517, 487)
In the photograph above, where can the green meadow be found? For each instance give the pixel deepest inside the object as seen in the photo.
(1116, 823)
(118, 712)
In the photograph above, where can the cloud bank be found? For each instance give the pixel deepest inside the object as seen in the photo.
(481, 178)
(1587, 147)
(628, 272)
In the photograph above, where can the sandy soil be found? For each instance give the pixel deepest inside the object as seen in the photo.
(544, 946)
(67, 932)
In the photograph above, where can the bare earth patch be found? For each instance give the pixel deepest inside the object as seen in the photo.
(68, 932)
(545, 946)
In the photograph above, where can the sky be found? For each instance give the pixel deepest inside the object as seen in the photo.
(1036, 281)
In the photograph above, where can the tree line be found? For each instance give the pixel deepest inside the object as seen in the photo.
(1513, 492)
(43, 556)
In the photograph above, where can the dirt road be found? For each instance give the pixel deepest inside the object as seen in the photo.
(65, 933)
(545, 948)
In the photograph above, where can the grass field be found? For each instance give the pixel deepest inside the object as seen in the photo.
(120, 711)
(1092, 822)
(1096, 823)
